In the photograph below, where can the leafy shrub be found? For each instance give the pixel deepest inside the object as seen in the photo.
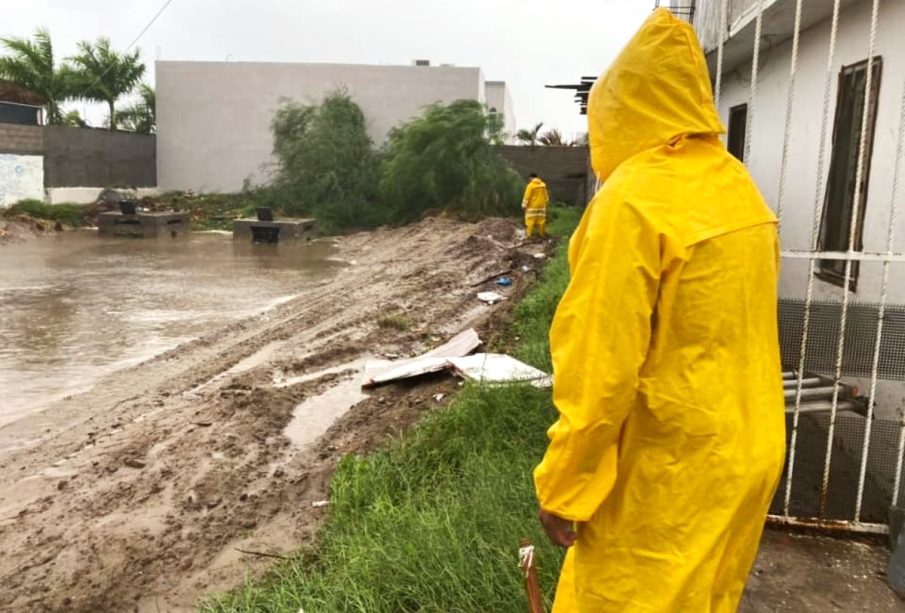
(326, 165)
(444, 160)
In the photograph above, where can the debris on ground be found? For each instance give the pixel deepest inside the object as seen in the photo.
(382, 371)
(490, 297)
(498, 368)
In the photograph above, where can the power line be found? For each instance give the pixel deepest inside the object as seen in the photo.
(150, 23)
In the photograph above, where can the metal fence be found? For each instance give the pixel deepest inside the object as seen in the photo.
(844, 465)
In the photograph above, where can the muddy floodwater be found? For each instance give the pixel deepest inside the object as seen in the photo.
(75, 306)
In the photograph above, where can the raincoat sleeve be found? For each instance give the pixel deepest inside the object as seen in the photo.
(527, 196)
(599, 341)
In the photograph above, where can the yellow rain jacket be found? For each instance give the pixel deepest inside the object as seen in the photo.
(535, 199)
(667, 376)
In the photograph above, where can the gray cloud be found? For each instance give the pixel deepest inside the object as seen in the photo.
(528, 43)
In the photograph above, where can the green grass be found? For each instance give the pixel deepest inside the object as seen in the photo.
(396, 321)
(432, 521)
(67, 214)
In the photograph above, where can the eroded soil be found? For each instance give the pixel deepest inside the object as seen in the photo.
(140, 493)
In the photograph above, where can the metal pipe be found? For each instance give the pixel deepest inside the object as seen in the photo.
(809, 382)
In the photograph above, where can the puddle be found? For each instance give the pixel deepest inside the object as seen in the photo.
(280, 381)
(314, 416)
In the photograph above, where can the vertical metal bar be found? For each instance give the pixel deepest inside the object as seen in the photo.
(881, 314)
(755, 61)
(790, 99)
(815, 233)
(718, 87)
(900, 155)
(846, 293)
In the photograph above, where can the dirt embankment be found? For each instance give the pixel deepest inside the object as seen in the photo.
(23, 227)
(140, 494)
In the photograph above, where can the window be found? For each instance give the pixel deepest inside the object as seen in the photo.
(839, 201)
(738, 124)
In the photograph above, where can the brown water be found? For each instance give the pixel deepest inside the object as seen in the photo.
(75, 307)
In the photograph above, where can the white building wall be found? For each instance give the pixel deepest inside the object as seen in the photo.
(213, 118)
(21, 177)
(801, 182)
(498, 98)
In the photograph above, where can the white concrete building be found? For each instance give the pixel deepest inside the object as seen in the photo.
(213, 118)
(798, 120)
(767, 113)
(499, 101)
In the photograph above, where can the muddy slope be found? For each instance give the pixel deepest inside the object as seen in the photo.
(148, 491)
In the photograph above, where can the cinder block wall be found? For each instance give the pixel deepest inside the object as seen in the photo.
(24, 140)
(82, 157)
(563, 169)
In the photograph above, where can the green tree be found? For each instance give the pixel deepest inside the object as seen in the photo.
(529, 137)
(444, 160)
(141, 116)
(496, 128)
(105, 75)
(326, 164)
(30, 64)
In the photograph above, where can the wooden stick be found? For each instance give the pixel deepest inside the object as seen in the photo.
(261, 553)
(532, 587)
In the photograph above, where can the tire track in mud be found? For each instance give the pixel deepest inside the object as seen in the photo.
(136, 494)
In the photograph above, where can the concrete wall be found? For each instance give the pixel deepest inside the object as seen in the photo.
(213, 118)
(15, 138)
(801, 185)
(563, 169)
(79, 157)
(21, 177)
(498, 98)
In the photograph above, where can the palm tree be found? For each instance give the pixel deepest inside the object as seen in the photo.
(30, 65)
(106, 75)
(141, 117)
(551, 138)
(529, 137)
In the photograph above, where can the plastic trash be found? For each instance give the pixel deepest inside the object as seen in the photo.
(490, 297)
(504, 281)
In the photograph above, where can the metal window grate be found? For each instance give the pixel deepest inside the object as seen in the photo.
(860, 338)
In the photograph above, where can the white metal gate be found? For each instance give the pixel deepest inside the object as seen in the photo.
(844, 464)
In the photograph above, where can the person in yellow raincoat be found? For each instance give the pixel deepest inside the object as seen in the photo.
(534, 204)
(667, 377)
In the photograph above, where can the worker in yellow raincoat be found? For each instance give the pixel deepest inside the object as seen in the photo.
(667, 376)
(534, 204)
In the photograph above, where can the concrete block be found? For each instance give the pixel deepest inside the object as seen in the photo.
(273, 231)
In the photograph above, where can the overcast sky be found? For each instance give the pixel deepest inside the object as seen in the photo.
(527, 43)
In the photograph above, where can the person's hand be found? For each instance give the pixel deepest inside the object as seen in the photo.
(559, 530)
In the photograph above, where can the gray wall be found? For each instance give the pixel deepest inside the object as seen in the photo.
(213, 118)
(563, 169)
(81, 157)
(85, 157)
(20, 139)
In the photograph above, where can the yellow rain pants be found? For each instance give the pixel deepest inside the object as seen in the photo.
(667, 376)
(535, 203)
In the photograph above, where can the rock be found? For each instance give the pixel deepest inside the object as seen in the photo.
(133, 463)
